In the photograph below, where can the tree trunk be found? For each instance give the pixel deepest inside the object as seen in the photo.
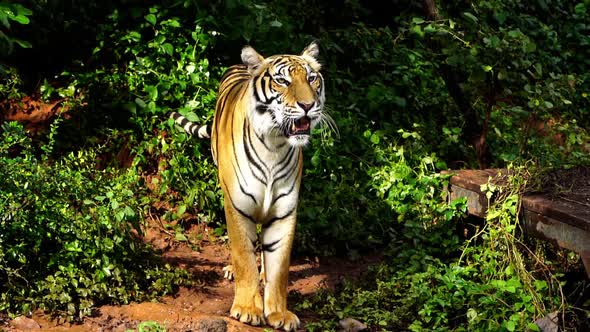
(473, 133)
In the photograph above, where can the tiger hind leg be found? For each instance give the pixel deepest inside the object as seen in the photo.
(228, 271)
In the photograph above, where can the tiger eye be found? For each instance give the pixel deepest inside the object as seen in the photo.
(281, 81)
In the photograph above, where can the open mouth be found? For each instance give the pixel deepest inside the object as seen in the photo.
(300, 126)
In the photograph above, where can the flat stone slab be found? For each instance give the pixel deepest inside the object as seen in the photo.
(563, 221)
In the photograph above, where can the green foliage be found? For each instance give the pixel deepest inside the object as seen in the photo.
(529, 96)
(430, 281)
(69, 234)
(149, 326)
(149, 61)
(15, 13)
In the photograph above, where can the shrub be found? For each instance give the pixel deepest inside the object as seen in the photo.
(69, 234)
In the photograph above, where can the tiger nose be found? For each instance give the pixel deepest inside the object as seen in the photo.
(306, 107)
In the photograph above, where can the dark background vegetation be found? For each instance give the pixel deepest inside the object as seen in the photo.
(415, 87)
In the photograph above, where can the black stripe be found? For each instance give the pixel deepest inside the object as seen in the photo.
(261, 108)
(233, 142)
(176, 115)
(244, 214)
(261, 139)
(246, 129)
(271, 99)
(240, 74)
(287, 174)
(275, 219)
(262, 82)
(287, 154)
(194, 129)
(274, 200)
(253, 162)
(182, 121)
(207, 130)
(242, 187)
(270, 247)
(291, 153)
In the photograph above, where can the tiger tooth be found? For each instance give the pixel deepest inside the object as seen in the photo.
(293, 127)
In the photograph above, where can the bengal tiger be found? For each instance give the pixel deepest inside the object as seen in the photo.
(265, 111)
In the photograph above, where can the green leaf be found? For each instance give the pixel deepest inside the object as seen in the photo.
(23, 43)
(152, 92)
(580, 9)
(510, 325)
(514, 33)
(500, 17)
(20, 10)
(168, 48)
(315, 160)
(375, 139)
(530, 46)
(180, 237)
(417, 29)
(4, 20)
(151, 18)
(140, 102)
(533, 327)
(417, 20)
(192, 117)
(21, 19)
(471, 17)
(275, 24)
(181, 210)
(190, 68)
(119, 215)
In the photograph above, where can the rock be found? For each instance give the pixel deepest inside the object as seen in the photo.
(25, 323)
(351, 325)
(212, 325)
(205, 325)
(548, 323)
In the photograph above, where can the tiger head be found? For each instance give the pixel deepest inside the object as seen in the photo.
(288, 94)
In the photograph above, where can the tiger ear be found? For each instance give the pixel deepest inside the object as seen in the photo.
(312, 50)
(251, 58)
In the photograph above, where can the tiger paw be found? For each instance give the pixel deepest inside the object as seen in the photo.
(286, 320)
(228, 272)
(247, 314)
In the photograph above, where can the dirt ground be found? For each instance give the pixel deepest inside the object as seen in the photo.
(203, 307)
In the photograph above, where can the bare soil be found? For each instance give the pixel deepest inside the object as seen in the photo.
(32, 112)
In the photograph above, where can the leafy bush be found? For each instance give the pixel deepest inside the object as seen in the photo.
(69, 234)
(12, 12)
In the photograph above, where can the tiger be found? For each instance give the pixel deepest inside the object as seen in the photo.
(265, 111)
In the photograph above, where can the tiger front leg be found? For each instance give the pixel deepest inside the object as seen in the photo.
(277, 240)
(247, 306)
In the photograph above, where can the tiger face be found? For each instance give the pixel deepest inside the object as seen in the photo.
(288, 94)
